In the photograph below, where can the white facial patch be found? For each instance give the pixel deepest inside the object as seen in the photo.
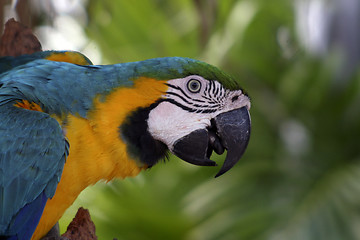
(168, 123)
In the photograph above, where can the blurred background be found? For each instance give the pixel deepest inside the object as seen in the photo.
(299, 62)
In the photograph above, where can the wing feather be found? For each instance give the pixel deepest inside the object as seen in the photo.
(32, 155)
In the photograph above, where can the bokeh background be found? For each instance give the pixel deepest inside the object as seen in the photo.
(299, 62)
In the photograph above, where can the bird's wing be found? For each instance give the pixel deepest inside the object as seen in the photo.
(33, 150)
(8, 63)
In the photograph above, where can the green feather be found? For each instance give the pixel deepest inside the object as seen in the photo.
(178, 67)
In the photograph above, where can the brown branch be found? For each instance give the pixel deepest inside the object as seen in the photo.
(81, 227)
(18, 39)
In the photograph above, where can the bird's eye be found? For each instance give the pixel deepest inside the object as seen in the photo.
(194, 85)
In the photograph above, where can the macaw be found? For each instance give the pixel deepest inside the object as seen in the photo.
(65, 124)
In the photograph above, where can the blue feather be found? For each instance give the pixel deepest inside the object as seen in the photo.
(62, 88)
(25, 222)
(32, 145)
(8, 63)
(33, 151)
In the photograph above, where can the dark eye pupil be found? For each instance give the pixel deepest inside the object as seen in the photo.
(194, 85)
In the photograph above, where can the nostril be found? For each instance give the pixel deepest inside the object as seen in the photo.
(235, 98)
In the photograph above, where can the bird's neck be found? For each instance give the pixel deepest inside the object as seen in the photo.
(97, 151)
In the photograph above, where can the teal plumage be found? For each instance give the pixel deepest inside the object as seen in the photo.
(60, 87)
(32, 155)
(8, 63)
(33, 148)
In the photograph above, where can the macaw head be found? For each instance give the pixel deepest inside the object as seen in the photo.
(203, 110)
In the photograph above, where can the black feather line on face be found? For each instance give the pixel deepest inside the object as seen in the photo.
(211, 104)
(183, 92)
(140, 144)
(189, 109)
(215, 105)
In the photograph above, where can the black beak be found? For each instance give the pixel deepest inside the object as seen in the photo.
(229, 130)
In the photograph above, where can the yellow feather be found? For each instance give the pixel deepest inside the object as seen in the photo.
(28, 105)
(70, 57)
(96, 149)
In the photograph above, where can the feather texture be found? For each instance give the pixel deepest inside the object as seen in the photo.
(32, 154)
(43, 97)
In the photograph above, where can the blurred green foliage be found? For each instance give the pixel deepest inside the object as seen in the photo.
(300, 177)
